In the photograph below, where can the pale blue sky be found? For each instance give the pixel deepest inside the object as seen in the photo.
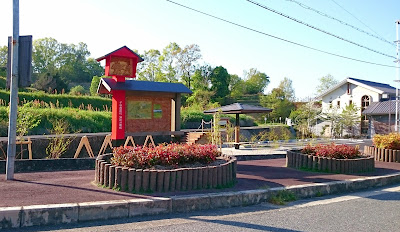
(152, 24)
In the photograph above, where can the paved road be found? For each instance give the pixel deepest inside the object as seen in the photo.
(375, 210)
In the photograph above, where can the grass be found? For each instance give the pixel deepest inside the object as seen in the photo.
(282, 197)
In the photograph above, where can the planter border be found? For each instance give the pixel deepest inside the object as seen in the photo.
(383, 155)
(181, 179)
(295, 159)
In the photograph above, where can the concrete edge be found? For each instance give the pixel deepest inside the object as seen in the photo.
(39, 215)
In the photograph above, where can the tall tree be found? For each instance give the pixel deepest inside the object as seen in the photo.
(349, 118)
(325, 83)
(186, 61)
(201, 78)
(256, 81)
(150, 68)
(287, 87)
(220, 79)
(168, 61)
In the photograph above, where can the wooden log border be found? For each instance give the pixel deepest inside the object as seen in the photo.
(295, 159)
(182, 179)
(383, 155)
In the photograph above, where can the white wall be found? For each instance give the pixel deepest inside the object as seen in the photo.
(340, 94)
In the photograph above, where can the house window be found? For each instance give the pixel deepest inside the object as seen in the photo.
(338, 104)
(365, 100)
(348, 88)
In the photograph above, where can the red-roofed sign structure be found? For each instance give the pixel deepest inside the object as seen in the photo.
(120, 64)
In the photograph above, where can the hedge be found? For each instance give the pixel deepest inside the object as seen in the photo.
(83, 121)
(64, 100)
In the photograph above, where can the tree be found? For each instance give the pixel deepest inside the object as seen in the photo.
(256, 81)
(168, 62)
(186, 59)
(349, 118)
(94, 85)
(220, 79)
(325, 83)
(3, 60)
(332, 115)
(78, 90)
(237, 86)
(201, 78)
(49, 83)
(305, 116)
(276, 100)
(288, 90)
(69, 61)
(149, 69)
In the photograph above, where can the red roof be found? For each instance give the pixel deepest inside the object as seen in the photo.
(124, 52)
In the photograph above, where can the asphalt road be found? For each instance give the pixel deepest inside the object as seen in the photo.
(374, 210)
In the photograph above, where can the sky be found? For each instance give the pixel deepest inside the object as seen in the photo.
(152, 24)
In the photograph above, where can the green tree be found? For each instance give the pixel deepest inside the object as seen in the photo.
(3, 60)
(168, 62)
(186, 60)
(94, 85)
(201, 78)
(349, 118)
(237, 86)
(287, 87)
(325, 83)
(48, 82)
(78, 90)
(276, 100)
(150, 69)
(305, 116)
(220, 79)
(256, 81)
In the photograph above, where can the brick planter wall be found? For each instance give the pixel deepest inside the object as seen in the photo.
(384, 155)
(298, 160)
(146, 180)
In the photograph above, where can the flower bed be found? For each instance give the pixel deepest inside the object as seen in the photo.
(330, 158)
(165, 168)
(386, 148)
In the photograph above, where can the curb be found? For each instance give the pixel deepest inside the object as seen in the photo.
(39, 215)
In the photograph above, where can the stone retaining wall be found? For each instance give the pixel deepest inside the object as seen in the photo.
(384, 155)
(146, 180)
(298, 160)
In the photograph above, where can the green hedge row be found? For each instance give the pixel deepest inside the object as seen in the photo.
(79, 120)
(64, 100)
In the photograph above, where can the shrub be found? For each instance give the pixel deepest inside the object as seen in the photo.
(389, 141)
(166, 155)
(78, 90)
(332, 150)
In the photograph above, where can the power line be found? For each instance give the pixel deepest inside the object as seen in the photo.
(278, 38)
(354, 17)
(342, 22)
(318, 29)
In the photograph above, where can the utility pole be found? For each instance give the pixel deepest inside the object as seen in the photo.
(12, 125)
(396, 127)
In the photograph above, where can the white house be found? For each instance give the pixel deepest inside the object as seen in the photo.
(361, 93)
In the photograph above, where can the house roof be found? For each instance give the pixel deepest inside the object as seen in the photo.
(381, 108)
(106, 85)
(374, 86)
(239, 108)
